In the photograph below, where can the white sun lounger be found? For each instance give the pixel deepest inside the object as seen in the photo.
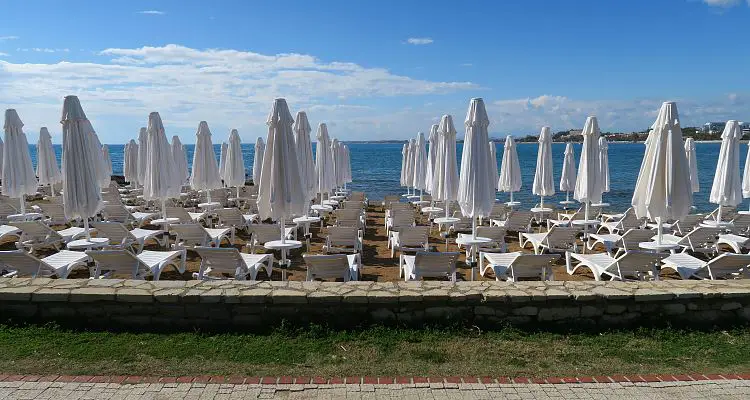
(136, 266)
(632, 264)
(60, 264)
(216, 261)
(9, 231)
(191, 235)
(334, 266)
(736, 242)
(233, 217)
(121, 237)
(36, 234)
(723, 266)
(558, 238)
(701, 239)
(185, 216)
(517, 265)
(410, 239)
(428, 264)
(343, 239)
(628, 241)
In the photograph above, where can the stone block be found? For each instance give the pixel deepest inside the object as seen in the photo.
(49, 294)
(558, 313)
(191, 296)
(616, 309)
(92, 294)
(285, 296)
(731, 306)
(592, 311)
(383, 315)
(381, 297)
(355, 297)
(27, 310)
(673, 309)
(484, 310)
(255, 296)
(22, 293)
(318, 297)
(648, 295)
(211, 296)
(169, 295)
(134, 296)
(528, 310)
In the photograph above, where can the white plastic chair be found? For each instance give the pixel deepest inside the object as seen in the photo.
(216, 261)
(185, 216)
(36, 235)
(233, 217)
(410, 239)
(628, 221)
(60, 264)
(332, 266)
(343, 239)
(626, 242)
(119, 236)
(517, 221)
(558, 238)
(191, 235)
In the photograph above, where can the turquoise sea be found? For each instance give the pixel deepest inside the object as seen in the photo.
(376, 168)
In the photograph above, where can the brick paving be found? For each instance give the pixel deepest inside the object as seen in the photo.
(80, 388)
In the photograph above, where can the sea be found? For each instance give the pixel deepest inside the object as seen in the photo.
(376, 169)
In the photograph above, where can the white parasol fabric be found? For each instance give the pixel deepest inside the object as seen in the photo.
(404, 162)
(302, 141)
(663, 190)
(588, 181)
(347, 165)
(234, 169)
(223, 160)
(420, 163)
(161, 180)
(446, 164)
(81, 192)
(494, 172)
(726, 190)
(510, 169)
(102, 172)
(325, 179)
(692, 164)
(476, 195)
(1, 156)
(431, 154)
(18, 176)
(107, 160)
(410, 163)
(544, 184)
(280, 195)
(336, 162)
(746, 176)
(180, 160)
(142, 152)
(604, 163)
(130, 162)
(46, 163)
(260, 149)
(205, 174)
(568, 176)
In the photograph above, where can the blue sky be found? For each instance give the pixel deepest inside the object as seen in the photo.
(374, 70)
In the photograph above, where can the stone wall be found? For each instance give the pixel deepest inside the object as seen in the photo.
(231, 305)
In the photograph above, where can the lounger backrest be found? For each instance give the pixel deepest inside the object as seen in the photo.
(462, 225)
(112, 196)
(343, 236)
(5, 210)
(635, 263)
(230, 217)
(727, 264)
(119, 262)
(54, 212)
(357, 196)
(37, 232)
(24, 263)
(327, 267)
(499, 211)
(413, 236)
(252, 206)
(354, 204)
(700, 237)
(117, 213)
(435, 264)
(630, 220)
(518, 221)
(402, 218)
(532, 266)
(190, 234)
(263, 233)
(741, 223)
(562, 237)
(116, 232)
(217, 195)
(179, 212)
(689, 222)
(496, 233)
(348, 213)
(631, 239)
(221, 260)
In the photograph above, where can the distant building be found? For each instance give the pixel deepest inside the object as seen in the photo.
(714, 127)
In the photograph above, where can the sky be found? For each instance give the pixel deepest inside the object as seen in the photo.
(373, 70)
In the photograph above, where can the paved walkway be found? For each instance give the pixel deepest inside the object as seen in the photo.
(707, 389)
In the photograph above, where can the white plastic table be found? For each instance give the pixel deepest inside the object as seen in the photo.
(87, 244)
(283, 247)
(306, 221)
(428, 210)
(209, 206)
(472, 243)
(337, 197)
(446, 221)
(420, 202)
(602, 205)
(658, 248)
(330, 203)
(512, 204)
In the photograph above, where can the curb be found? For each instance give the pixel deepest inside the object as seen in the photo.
(370, 380)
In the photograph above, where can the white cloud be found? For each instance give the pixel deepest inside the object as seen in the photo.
(724, 3)
(4, 54)
(151, 12)
(467, 65)
(228, 88)
(419, 41)
(43, 50)
(4, 38)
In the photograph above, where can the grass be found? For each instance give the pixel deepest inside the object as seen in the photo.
(375, 351)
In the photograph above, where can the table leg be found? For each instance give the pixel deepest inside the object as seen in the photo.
(283, 263)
